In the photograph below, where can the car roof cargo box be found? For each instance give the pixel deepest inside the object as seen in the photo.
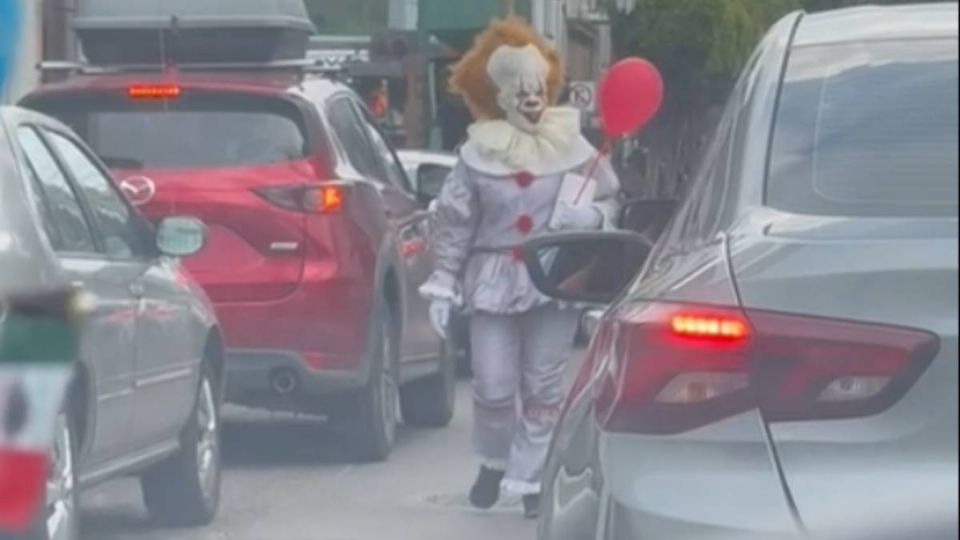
(116, 32)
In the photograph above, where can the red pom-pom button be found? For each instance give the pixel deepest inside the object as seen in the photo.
(524, 224)
(523, 179)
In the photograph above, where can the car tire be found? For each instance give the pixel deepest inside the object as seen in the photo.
(60, 519)
(429, 402)
(369, 420)
(184, 489)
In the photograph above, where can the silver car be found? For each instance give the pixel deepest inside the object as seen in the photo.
(145, 392)
(788, 348)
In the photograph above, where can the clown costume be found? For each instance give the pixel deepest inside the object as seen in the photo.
(503, 190)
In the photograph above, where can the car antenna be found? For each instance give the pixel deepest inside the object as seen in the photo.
(166, 63)
(165, 58)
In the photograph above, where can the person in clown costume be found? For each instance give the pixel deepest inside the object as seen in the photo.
(504, 189)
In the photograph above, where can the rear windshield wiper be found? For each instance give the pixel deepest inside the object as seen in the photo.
(121, 163)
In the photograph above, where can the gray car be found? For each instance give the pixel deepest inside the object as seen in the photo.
(146, 386)
(788, 348)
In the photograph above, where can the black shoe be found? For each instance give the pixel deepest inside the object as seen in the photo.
(486, 488)
(531, 506)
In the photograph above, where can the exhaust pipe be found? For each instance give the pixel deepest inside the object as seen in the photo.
(284, 382)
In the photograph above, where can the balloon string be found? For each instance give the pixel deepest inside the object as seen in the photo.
(604, 150)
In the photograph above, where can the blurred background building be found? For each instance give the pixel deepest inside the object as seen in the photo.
(396, 53)
(408, 46)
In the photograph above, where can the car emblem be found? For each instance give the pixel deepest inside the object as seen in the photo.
(139, 189)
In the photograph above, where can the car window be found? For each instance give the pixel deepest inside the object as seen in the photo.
(116, 220)
(39, 201)
(394, 170)
(359, 151)
(68, 229)
(194, 131)
(868, 129)
(700, 207)
(430, 178)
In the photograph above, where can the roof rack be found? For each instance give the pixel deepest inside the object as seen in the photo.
(306, 65)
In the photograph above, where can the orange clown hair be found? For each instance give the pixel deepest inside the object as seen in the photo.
(469, 78)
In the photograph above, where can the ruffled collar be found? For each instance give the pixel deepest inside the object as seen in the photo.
(500, 141)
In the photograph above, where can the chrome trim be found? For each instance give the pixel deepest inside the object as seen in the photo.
(114, 395)
(112, 468)
(284, 246)
(163, 377)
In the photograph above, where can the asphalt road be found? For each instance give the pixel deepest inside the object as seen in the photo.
(285, 478)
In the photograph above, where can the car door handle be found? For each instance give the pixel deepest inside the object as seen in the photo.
(591, 321)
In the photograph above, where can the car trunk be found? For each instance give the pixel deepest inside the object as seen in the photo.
(899, 278)
(208, 155)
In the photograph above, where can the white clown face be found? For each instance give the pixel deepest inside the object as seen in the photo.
(520, 74)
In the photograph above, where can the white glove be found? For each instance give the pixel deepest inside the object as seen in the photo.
(570, 217)
(440, 316)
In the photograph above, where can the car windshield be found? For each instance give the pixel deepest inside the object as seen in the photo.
(868, 129)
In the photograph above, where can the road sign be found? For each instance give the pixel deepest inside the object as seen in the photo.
(583, 95)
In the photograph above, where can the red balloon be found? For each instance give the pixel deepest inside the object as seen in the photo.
(630, 95)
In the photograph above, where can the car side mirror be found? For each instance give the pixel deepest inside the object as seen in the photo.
(181, 236)
(430, 180)
(589, 267)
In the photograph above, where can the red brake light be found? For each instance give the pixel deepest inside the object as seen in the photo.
(153, 91)
(671, 369)
(709, 327)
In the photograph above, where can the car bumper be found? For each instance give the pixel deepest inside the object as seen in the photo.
(282, 380)
(716, 482)
(316, 336)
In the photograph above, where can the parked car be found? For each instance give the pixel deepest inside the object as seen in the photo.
(145, 392)
(317, 240)
(788, 347)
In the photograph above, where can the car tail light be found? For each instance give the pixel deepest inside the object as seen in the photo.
(325, 198)
(811, 368)
(672, 368)
(153, 91)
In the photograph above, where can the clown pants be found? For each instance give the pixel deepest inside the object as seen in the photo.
(518, 387)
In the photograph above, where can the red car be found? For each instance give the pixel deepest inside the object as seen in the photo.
(317, 241)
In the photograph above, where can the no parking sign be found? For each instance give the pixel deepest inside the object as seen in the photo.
(583, 95)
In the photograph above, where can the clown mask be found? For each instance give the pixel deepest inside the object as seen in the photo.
(520, 75)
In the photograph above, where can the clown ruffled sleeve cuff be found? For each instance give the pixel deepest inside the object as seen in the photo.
(442, 286)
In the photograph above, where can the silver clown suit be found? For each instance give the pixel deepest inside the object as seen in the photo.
(502, 191)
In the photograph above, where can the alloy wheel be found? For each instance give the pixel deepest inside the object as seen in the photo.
(61, 497)
(208, 442)
(389, 390)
